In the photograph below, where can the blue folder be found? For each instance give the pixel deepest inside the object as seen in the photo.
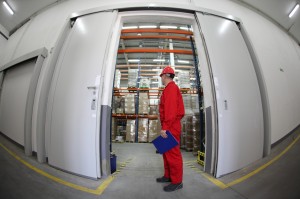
(165, 144)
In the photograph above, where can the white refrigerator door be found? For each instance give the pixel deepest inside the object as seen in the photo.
(240, 116)
(74, 138)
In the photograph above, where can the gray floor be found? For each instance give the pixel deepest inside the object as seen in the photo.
(139, 165)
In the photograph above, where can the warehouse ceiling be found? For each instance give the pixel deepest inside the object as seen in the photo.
(275, 10)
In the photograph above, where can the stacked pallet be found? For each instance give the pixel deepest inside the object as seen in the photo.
(154, 129)
(143, 103)
(129, 104)
(117, 79)
(143, 130)
(132, 78)
(184, 79)
(192, 133)
(130, 131)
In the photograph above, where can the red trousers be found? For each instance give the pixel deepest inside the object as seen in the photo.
(173, 161)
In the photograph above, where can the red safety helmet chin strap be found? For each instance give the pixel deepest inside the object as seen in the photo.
(167, 70)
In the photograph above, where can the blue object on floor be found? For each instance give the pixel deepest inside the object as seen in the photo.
(165, 144)
(113, 163)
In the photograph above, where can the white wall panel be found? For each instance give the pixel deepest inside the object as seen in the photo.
(3, 42)
(280, 64)
(4, 31)
(13, 100)
(12, 45)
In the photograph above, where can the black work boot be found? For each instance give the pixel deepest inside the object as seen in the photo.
(173, 187)
(163, 179)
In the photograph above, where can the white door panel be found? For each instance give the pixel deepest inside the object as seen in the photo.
(14, 95)
(240, 119)
(74, 140)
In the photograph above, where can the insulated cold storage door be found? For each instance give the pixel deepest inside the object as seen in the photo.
(13, 100)
(240, 119)
(74, 138)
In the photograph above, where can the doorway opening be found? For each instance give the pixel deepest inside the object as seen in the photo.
(146, 46)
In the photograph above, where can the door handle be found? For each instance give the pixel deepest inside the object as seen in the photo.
(225, 104)
(92, 87)
(93, 104)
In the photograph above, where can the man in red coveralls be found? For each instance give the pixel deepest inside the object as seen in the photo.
(171, 111)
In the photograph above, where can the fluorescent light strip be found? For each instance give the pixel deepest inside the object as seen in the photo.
(155, 69)
(148, 26)
(8, 8)
(134, 60)
(183, 61)
(184, 28)
(159, 60)
(293, 11)
(168, 27)
(129, 27)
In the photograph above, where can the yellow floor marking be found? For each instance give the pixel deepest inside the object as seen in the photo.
(263, 166)
(105, 184)
(215, 181)
(97, 191)
(241, 179)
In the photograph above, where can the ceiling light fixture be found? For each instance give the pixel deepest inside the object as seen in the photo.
(293, 11)
(183, 61)
(168, 27)
(8, 8)
(129, 27)
(184, 28)
(134, 60)
(148, 26)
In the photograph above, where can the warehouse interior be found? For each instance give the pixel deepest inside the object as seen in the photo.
(79, 103)
(144, 50)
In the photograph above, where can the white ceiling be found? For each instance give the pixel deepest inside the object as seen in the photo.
(23, 9)
(276, 10)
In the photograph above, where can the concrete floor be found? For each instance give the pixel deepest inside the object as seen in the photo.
(139, 165)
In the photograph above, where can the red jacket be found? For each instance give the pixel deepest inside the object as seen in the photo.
(171, 108)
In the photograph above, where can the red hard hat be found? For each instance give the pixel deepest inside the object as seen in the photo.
(167, 70)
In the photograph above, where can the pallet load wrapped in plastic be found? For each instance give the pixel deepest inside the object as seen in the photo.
(117, 79)
(196, 134)
(154, 129)
(189, 133)
(160, 85)
(187, 101)
(144, 82)
(130, 131)
(153, 110)
(118, 104)
(195, 103)
(143, 103)
(121, 133)
(143, 130)
(129, 104)
(193, 133)
(183, 133)
(184, 79)
(132, 78)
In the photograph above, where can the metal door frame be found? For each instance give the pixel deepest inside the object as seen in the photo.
(40, 55)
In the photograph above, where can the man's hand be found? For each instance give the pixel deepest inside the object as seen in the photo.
(163, 134)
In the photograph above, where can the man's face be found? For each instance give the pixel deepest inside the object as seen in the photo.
(163, 79)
